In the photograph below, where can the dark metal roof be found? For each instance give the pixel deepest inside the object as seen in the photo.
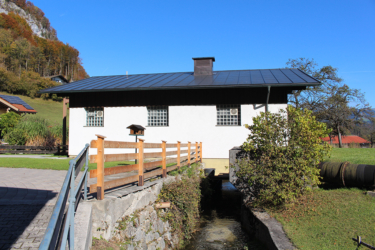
(187, 80)
(139, 127)
(15, 100)
(61, 76)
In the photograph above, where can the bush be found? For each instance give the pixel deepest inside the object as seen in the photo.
(7, 122)
(283, 152)
(184, 196)
(34, 131)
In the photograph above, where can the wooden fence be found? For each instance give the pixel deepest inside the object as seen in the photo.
(16, 149)
(146, 164)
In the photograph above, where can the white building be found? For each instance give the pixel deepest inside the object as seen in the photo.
(202, 106)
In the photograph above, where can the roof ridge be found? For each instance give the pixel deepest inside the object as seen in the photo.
(182, 72)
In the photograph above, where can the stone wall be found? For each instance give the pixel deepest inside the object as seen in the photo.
(145, 230)
(132, 218)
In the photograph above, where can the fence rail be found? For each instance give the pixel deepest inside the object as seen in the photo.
(60, 229)
(16, 149)
(146, 161)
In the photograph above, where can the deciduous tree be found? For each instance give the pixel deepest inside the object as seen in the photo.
(333, 102)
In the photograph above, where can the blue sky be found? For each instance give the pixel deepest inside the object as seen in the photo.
(116, 36)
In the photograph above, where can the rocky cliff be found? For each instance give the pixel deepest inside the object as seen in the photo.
(35, 25)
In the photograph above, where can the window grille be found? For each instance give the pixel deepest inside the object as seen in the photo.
(228, 115)
(157, 116)
(94, 117)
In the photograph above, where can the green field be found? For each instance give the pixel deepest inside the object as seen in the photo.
(329, 219)
(55, 164)
(353, 155)
(47, 109)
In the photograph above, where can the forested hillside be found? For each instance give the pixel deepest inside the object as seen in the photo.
(30, 51)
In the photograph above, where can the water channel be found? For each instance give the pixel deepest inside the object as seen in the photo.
(220, 226)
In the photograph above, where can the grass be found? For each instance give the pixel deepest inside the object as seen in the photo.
(329, 219)
(353, 155)
(54, 164)
(47, 109)
(189, 170)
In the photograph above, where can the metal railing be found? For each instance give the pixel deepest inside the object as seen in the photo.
(60, 229)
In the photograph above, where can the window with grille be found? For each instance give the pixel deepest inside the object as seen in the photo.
(228, 115)
(157, 116)
(94, 117)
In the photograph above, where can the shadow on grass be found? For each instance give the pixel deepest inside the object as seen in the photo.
(333, 186)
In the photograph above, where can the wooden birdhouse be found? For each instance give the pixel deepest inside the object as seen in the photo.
(136, 130)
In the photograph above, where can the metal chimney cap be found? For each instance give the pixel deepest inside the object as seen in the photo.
(204, 58)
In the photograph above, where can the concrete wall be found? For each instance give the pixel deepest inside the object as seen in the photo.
(218, 164)
(186, 123)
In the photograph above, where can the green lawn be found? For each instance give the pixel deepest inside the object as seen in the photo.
(329, 219)
(47, 109)
(55, 164)
(353, 155)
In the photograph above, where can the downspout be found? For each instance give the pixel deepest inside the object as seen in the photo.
(268, 97)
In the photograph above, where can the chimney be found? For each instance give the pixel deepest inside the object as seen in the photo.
(203, 66)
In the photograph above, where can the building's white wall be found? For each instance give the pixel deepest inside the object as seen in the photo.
(186, 123)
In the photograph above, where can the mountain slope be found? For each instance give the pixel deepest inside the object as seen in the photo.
(35, 17)
(47, 109)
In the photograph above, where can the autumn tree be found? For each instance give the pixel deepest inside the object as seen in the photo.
(334, 103)
(342, 109)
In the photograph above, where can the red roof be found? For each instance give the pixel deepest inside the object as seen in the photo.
(346, 139)
(22, 108)
(16, 104)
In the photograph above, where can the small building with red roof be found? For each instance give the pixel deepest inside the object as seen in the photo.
(15, 104)
(347, 140)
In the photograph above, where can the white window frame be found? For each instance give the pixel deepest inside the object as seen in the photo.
(92, 119)
(158, 116)
(224, 116)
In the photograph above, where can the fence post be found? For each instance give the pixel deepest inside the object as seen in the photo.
(189, 154)
(65, 102)
(178, 154)
(164, 158)
(100, 167)
(140, 162)
(200, 151)
(196, 152)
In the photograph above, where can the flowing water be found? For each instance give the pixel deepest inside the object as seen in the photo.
(220, 226)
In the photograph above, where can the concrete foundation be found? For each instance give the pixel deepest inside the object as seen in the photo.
(218, 164)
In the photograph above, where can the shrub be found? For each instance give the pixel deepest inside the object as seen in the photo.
(354, 145)
(35, 131)
(283, 151)
(7, 122)
(184, 196)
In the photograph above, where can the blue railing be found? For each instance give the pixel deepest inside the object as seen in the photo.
(60, 229)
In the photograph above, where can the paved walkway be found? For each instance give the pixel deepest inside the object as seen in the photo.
(27, 199)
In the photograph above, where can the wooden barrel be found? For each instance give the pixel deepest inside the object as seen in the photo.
(366, 175)
(346, 174)
(330, 171)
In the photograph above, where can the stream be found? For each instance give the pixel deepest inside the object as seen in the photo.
(220, 225)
